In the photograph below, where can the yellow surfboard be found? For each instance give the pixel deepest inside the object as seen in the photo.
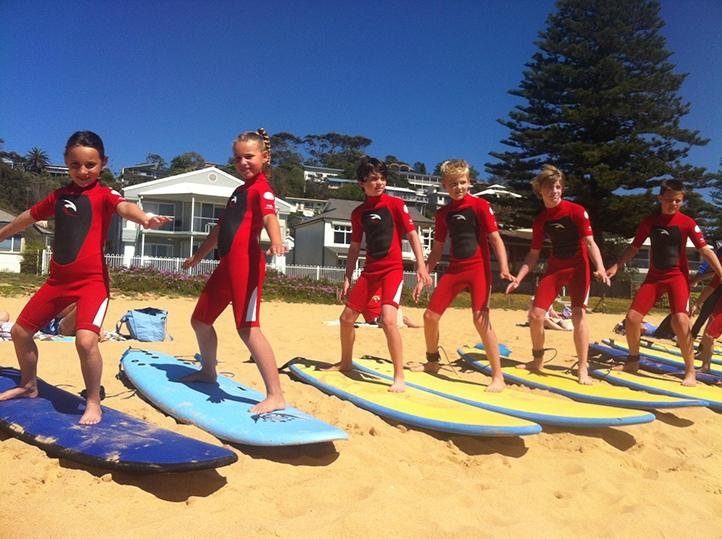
(659, 383)
(532, 406)
(558, 379)
(413, 407)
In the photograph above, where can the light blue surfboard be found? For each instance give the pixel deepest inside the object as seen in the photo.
(222, 408)
(413, 407)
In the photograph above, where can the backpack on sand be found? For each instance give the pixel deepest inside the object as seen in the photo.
(147, 325)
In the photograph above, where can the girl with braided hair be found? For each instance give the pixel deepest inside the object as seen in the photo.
(238, 279)
(567, 226)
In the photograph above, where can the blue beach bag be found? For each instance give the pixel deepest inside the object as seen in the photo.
(147, 325)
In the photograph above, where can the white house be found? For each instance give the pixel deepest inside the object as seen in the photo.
(11, 249)
(324, 239)
(195, 200)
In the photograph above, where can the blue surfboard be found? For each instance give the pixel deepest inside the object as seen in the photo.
(118, 442)
(221, 409)
(648, 364)
(662, 357)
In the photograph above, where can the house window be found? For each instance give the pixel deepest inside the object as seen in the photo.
(159, 250)
(161, 208)
(209, 215)
(342, 234)
(426, 235)
(11, 244)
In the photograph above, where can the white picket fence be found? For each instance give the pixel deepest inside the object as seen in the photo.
(174, 265)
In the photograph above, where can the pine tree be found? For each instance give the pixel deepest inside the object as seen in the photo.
(602, 105)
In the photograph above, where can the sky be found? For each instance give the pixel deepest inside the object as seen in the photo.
(425, 81)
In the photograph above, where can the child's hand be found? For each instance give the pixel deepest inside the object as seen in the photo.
(612, 271)
(156, 221)
(416, 293)
(189, 262)
(513, 285)
(344, 289)
(506, 276)
(602, 276)
(277, 249)
(423, 276)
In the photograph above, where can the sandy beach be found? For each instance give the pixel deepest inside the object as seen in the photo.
(662, 479)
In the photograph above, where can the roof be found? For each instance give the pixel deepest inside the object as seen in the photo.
(6, 217)
(209, 181)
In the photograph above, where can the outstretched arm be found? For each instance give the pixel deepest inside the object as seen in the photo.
(132, 212)
(20, 223)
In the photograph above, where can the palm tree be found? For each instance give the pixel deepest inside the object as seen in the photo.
(36, 160)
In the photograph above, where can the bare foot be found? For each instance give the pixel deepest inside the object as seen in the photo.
(583, 376)
(533, 366)
(689, 380)
(268, 405)
(706, 367)
(585, 380)
(28, 391)
(399, 386)
(200, 376)
(338, 367)
(432, 367)
(92, 415)
(629, 366)
(497, 385)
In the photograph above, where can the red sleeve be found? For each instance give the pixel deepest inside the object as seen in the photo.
(537, 233)
(486, 213)
(45, 209)
(582, 219)
(642, 233)
(404, 217)
(695, 234)
(357, 230)
(440, 230)
(267, 201)
(112, 199)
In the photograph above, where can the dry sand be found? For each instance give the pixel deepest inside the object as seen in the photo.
(662, 479)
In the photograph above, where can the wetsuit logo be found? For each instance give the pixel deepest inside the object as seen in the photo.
(69, 208)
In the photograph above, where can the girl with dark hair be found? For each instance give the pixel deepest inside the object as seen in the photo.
(82, 211)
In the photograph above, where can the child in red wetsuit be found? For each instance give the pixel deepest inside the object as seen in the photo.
(239, 277)
(469, 223)
(668, 273)
(567, 226)
(382, 220)
(713, 330)
(78, 274)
